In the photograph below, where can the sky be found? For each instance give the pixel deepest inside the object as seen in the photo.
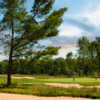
(81, 19)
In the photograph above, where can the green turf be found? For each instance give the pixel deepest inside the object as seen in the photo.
(81, 81)
(39, 89)
(43, 90)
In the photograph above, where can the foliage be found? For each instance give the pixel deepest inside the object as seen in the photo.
(24, 29)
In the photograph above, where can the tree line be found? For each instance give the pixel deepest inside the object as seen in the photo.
(86, 63)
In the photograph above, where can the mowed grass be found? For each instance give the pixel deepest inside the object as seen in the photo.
(50, 79)
(43, 90)
(24, 86)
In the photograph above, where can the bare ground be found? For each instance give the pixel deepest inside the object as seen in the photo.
(70, 85)
(27, 97)
(19, 77)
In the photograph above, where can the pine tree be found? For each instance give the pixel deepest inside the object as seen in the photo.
(23, 29)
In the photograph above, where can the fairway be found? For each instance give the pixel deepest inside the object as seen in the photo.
(49, 79)
(49, 49)
(44, 86)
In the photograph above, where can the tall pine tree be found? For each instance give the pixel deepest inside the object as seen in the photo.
(22, 29)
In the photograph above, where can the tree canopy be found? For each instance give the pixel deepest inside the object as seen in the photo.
(22, 29)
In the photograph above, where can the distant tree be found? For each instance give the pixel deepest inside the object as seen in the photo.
(22, 30)
(69, 55)
(83, 44)
(89, 54)
(98, 50)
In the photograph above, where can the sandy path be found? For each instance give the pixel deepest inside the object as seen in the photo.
(26, 97)
(64, 85)
(19, 77)
(23, 77)
(70, 85)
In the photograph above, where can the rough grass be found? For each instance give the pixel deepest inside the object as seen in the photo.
(43, 90)
(39, 89)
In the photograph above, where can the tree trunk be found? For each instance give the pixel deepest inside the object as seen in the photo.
(10, 57)
(99, 59)
(9, 69)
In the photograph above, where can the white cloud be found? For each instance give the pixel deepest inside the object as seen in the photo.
(3, 57)
(64, 52)
(90, 14)
(93, 16)
(90, 17)
(69, 30)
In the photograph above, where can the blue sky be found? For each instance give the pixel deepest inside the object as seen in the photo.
(81, 19)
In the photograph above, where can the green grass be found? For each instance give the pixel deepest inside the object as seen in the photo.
(43, 90)
(50, 79)
(36, 89)
(39, 89)
(81, 81)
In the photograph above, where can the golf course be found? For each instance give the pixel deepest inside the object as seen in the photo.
(50, 86)
(49, 49)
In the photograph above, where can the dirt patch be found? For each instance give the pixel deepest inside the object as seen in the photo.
(70, 85)
(26, 97)
(18, 77)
